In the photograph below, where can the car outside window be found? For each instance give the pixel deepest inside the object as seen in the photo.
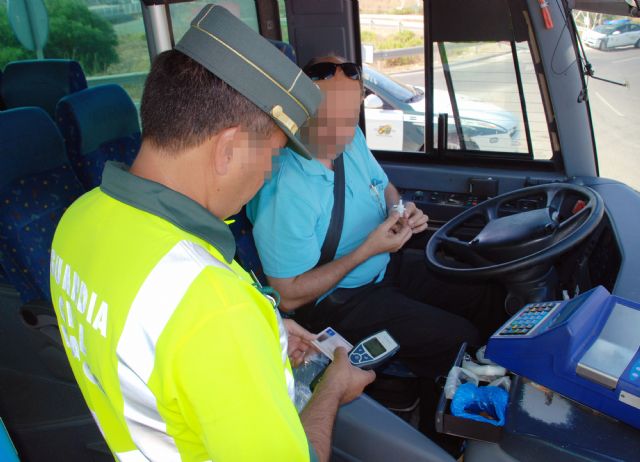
(489, 90)
(617, 59)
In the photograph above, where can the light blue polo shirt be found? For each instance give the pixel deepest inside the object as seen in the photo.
(291, 213)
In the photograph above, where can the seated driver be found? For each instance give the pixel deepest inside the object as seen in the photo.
(372, 283)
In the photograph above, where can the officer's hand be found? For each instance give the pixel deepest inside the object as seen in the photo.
(344, 378)
(300, 339)
(389, 236)
(415, 218)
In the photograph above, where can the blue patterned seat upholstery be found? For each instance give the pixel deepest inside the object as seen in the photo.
(41, 83)
(98, 124)
(37, 184)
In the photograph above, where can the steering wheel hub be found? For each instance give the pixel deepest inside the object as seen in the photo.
(504, 239)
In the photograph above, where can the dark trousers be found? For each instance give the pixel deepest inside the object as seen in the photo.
(429, 317)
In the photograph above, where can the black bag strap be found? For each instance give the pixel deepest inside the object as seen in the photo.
(331, 240)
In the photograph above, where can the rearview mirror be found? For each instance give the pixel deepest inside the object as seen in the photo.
(617, 32)
(373, 102)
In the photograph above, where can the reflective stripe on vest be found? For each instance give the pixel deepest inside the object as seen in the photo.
(151, 310)
(131, 456)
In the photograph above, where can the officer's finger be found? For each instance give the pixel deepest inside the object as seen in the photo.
(340, 354)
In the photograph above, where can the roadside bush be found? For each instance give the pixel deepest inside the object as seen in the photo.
(402, 39)
(74, 33)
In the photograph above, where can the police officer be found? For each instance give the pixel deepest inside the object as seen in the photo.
(177, 353)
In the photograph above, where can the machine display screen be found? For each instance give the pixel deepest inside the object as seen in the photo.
(374, 347)
(569, 309)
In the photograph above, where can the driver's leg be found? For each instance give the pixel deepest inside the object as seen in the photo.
(481, 303)
(429, 337)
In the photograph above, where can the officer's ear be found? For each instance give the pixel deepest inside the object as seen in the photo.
(223, 149)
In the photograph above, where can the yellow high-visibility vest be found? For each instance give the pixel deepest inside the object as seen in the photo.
(178, 355)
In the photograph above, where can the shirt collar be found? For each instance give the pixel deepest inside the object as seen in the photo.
(311, 167)
(168, 204)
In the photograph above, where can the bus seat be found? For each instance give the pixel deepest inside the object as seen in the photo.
(285, 48)
(36, 185)
(246, 251)
(41, 83)
(98, 124)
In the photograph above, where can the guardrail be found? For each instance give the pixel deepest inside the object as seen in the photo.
(397, 53)
(120, 79)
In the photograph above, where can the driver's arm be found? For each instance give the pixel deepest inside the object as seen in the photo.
(306, 287)
(391, 196)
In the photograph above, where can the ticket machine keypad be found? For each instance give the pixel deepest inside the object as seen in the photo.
(529, 318)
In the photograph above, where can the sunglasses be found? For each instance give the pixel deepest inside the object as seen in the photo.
(325, 71)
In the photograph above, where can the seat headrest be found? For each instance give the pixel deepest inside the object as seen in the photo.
(41, 83)
(101, 114)
(30, 143)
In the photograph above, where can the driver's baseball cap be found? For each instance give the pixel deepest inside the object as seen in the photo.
(238, 55)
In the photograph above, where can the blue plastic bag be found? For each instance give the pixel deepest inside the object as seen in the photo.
(470, 400)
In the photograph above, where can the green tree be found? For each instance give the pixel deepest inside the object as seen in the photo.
(74, 33)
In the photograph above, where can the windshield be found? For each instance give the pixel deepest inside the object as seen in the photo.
(615, 101)
(397, 90)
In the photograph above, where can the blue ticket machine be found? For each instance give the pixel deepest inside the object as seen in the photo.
(586, 348)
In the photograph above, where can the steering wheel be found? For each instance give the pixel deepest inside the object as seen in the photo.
(515, 231)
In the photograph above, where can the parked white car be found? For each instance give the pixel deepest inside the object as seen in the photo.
(607, 36)
(395, 118)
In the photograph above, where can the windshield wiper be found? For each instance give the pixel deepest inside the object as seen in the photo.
(588, 68)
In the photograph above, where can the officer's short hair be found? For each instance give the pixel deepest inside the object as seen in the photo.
(183, 105)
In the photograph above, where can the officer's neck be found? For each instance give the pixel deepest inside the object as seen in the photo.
(185, 172)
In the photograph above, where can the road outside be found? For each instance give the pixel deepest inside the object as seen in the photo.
(615, 109)
(616, 113)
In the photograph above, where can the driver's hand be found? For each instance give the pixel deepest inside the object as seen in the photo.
(415, 218)
(389, 236)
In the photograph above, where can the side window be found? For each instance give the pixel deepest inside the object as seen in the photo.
(490, 93)
(183, 13)
(108, 39)
(392, 37)
(484, 80)
(284, 28)
(613, 106)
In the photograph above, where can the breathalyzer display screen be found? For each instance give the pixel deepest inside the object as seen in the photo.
(374, 347)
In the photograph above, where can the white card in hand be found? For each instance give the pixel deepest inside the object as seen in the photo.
(328, 340)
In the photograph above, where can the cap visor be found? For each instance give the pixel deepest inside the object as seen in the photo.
(299, 148)
(294, 143)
